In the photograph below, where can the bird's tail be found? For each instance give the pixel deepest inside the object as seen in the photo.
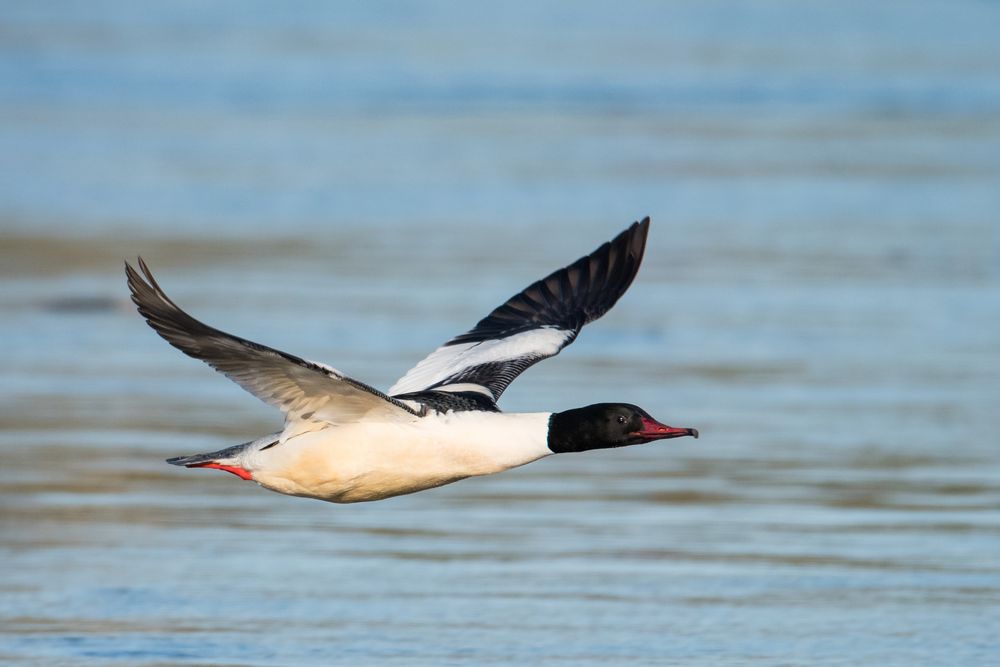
(231, 459)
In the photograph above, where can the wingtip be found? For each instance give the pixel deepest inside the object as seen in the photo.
(139, 262)
(641, 228)
(144, 266)
(132, 275)
(634, 239)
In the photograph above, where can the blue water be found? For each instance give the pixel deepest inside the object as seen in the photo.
(356, 183)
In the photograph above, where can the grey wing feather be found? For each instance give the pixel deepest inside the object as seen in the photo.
(301, 389)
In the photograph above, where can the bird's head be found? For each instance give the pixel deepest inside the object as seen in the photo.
(605, 425)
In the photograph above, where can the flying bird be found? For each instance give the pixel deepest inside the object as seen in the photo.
(344, 441)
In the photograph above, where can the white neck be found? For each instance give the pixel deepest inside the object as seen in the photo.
(502, 440)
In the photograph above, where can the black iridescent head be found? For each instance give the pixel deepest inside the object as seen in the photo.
(605, 425)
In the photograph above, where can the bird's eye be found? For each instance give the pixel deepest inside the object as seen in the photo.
(621, 419)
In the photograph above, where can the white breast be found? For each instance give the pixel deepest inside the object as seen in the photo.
(375, 460)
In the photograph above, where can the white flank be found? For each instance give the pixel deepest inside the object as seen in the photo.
(374, 460)
(449, 360)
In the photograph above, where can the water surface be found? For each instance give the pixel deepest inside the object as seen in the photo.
(820, 297)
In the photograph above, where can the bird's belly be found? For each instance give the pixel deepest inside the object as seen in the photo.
(334, 466)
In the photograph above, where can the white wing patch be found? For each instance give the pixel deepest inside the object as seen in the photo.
(451, 360)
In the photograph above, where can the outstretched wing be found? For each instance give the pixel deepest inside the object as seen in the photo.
(532, 325)
(302, 390)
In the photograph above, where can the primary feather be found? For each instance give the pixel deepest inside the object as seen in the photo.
(303, 390)
(534, 324)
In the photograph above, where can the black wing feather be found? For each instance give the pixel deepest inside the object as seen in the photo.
(565, 301)
(572, 296)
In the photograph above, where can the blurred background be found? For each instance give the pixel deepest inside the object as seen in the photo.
(357, 182)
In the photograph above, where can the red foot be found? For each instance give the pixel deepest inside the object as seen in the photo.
(236, 470)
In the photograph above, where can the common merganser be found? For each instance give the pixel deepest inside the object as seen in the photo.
(344, 441)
